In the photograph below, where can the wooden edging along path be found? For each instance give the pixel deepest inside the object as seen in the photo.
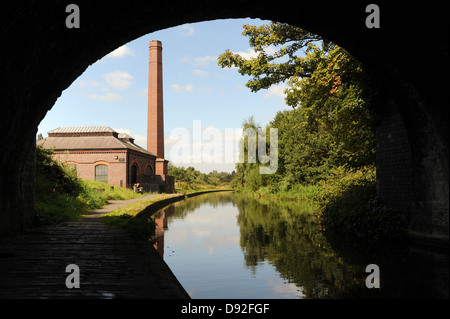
(110, 263)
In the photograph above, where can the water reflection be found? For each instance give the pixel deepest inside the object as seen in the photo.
(226, 245)
(284, 234)
(161, 224)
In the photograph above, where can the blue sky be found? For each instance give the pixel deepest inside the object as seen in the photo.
(113, 91)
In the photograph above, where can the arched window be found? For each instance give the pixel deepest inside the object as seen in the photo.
(101, 173)
(133, 175)
(148, 170)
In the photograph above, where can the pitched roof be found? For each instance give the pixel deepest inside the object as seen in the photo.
(82, 129)
(125, 135)
(87, 138)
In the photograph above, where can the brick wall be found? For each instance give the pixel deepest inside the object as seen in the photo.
(412, 168)
(17, 190)
(141, 162)
(393, 160)
(119, 169)
(86, 162)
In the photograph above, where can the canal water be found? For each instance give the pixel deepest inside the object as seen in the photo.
(227, 245)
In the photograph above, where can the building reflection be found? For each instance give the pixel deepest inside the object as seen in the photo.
(161, 218)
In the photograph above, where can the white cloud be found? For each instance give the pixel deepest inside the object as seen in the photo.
(83, 83)
(121, 52)
(118, 79)
(276, 90)
(200, 73)
(178, 88)
(203, 61)
(270, 50)
(187, 30)
(250, 54)
(107, 97)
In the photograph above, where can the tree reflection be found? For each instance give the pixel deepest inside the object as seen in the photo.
(284, 234)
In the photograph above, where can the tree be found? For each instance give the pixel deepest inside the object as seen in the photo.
(303, 56)
(191, 175)
(331, 124)
(264, 68)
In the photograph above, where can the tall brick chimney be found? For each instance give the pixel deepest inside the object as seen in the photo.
(155, 124)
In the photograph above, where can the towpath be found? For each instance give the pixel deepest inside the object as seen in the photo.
(111, 264)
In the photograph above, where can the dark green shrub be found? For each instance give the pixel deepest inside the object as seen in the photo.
(356, 214)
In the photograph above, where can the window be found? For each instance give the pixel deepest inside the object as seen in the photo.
(148, 174)
(133, 174)
(148, 170)
(101, 173)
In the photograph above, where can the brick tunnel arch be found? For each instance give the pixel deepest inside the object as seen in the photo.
(41, 57)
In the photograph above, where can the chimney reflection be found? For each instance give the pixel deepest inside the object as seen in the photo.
(161, 224)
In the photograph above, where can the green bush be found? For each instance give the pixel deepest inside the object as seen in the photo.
(349, 208)
(61, 196)
(58, 190)
(192, 176)
(57, 209)
(108, 193)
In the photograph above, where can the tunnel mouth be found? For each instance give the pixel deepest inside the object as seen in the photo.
(63, 54)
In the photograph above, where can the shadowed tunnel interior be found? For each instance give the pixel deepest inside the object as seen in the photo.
(407, 58)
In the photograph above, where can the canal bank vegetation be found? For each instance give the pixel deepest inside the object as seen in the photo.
(138, 218)
(142, 227)
(61, 196)
(190, 180)
(326, 142)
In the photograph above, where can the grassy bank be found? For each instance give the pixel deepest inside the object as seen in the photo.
(56, 206)
(346, 205)
(126, 217)
(61, 196)
(187, 187)
(108, 192)
(137, 207)
(296, 193)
